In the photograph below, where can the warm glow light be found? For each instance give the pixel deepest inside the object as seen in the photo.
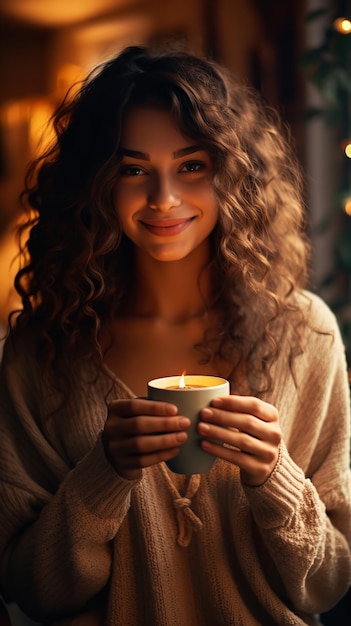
(25, 123)
(41, 133)
(182, 381)
(15, 113)
(57, 12)
(68, 77)
(347, 150)
(343, 25)
(347, 206)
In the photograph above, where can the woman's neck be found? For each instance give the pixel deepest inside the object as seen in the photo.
(173, 291)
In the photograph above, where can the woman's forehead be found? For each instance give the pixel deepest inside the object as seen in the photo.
(145, 127)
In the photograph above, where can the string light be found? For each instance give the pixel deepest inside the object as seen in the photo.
(347, 206)
(343, 25)
(346, 147)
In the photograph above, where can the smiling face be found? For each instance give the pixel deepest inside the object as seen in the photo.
(164, 195)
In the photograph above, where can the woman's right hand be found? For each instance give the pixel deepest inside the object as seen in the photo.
(139, 433)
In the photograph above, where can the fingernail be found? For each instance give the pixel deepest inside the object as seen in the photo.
(203, 428)
(184, 422)
(181, 437)
(206, 413)
(217, 402)
(170, 409)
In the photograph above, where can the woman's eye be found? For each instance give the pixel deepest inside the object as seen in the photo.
(131, 170)
(193, 166)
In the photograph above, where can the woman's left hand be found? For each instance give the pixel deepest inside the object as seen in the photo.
(247, 432)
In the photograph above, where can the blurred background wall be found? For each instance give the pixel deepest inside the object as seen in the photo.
(46, 45)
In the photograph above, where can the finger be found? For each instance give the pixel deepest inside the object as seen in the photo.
(244, 422)
(148, 444)
(236, 422)
(151, 443)
(141, 406)
(247, 405)
(146, 425)
(240, 441)
(137, 462)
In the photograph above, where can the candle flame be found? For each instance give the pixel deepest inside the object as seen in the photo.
(181, 384)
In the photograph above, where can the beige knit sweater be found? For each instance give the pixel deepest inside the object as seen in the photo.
(76, 538)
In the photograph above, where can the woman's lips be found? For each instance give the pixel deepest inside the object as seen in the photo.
(167, 227)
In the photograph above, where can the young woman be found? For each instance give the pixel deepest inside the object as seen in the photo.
(167, 234)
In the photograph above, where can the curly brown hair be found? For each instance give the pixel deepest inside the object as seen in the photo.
(77, 259)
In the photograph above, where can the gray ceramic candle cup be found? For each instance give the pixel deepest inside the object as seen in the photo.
(197, 395)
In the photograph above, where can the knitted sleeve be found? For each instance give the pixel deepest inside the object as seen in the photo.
(57, 519)
(303, 510)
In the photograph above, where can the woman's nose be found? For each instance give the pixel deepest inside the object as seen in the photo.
(163, 194)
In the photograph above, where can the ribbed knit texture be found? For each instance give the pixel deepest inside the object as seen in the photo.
(76, 538)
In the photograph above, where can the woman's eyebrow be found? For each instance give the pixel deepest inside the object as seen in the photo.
(184, 151)
(136, 154)
(144, 156)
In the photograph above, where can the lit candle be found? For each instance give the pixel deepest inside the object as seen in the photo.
(187, 382)
(184, 385)
(198, 391)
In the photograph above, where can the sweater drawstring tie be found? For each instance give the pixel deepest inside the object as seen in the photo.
(188, 522)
